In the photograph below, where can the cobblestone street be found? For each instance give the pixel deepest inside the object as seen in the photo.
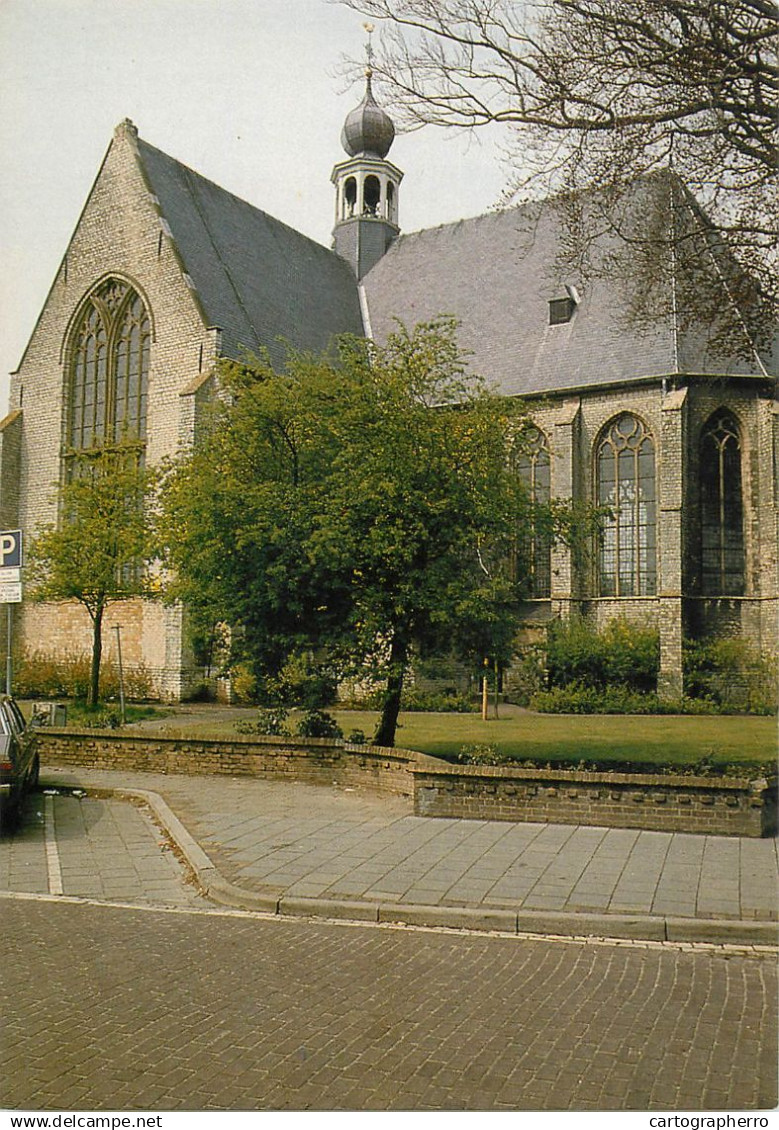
(115, 1008)
(166, 1002)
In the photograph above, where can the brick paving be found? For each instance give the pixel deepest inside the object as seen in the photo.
(120, 1009)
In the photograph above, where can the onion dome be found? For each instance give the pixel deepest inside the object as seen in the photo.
(367, 128)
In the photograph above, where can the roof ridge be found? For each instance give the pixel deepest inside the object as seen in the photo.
(542, 202)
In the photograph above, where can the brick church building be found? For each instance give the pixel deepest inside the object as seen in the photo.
(166, 272)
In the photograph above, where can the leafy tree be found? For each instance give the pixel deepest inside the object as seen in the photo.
(355, 505)
(100, 550)
(597, 93)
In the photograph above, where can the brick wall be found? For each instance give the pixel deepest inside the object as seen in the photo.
(700, 805)
(725, 807)
(120, 233)
(675, 417)
(730, 807)
(317, 761)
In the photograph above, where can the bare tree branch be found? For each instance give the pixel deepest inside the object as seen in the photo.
(594, 94)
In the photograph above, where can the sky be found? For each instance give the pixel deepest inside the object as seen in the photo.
(250, 93)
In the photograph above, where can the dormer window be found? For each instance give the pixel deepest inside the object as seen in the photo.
(561, 310)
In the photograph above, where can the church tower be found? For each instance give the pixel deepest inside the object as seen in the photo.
(366, 185)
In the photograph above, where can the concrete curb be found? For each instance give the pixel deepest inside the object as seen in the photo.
(486, 920)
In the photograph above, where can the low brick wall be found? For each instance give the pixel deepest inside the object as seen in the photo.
(713, 805)
(318, 761)
(718, 806)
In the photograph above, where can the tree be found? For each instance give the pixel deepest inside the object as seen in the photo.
(598, 93)
(356, 505)
(100, 550)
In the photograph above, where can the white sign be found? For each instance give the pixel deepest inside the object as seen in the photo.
(10, 576)
(10, 592)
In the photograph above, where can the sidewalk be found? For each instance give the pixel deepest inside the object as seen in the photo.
(292, 848)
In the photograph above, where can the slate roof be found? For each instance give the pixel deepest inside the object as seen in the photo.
(264, 283)
(257, 279)
(496, 274)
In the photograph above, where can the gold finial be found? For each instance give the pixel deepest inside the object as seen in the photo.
(369, 50)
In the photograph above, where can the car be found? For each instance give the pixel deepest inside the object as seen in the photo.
(19, 759)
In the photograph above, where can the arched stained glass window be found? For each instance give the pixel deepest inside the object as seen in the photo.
(722, 508)
(109, 368)
(626, 486)
(533, 466)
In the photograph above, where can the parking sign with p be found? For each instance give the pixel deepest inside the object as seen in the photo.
(10, 549)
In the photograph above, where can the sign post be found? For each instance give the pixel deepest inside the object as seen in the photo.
(118, 630)
(10, 589)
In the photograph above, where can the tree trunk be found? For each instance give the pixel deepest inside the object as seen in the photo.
(388, 723)
(97, 653)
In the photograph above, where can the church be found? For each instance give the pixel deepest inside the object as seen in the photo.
(166, 272)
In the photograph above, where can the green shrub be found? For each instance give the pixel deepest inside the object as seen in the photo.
(704, 766)
(578, 698)
(731, 675)
(109, 716)
(319, 724)
(481, 754)
(622, 653)
(108, 719)
(243, 684)
(306, 683)
(271, 721)
(357, 737)
(436, 702)
(39, 674)
(631, 655)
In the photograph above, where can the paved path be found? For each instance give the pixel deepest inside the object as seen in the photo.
(147, 1010)
(92, 847)
(287, 840)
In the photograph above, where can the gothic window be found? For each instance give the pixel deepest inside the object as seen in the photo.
(109, 369)
(722, 508)
(535, 550)
(625, 461)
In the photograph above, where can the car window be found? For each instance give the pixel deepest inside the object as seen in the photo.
(5, 724)
(16, 716)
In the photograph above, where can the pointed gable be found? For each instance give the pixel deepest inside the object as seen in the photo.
(257, 279)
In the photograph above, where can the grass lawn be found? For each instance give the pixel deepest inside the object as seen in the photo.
(79, 714)
(655, 739)
(652, 740)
